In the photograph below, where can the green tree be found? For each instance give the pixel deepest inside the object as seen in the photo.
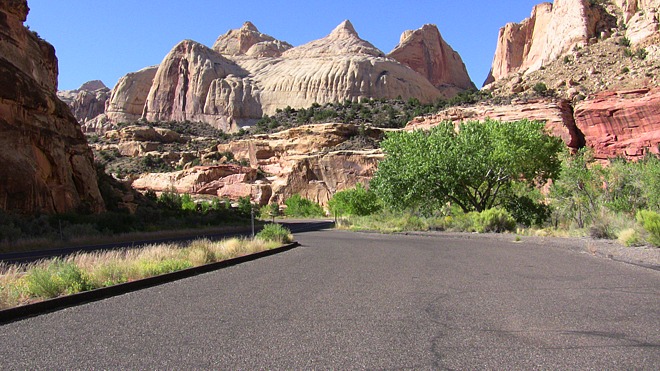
(471, 167)
(578, 193)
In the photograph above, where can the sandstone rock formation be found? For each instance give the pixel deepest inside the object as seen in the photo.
(623, 123)
(190, 77)
(296, 161)
(425, 51)
(641, 18)
(248, 74)
(552, 30)
(129, 96)
(247, 40)
(46, 165)
(86, 102)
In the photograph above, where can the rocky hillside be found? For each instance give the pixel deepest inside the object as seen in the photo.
(46, 164)
(565, 27)
(247, 74)
(310, 160)
(589, 69)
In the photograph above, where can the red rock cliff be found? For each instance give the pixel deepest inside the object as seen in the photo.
(45, 162)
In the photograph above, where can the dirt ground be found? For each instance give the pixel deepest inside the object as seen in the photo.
(645, 256)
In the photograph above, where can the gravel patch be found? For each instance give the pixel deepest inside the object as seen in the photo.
(646, 256)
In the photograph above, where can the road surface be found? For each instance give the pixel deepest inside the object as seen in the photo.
(355, 301)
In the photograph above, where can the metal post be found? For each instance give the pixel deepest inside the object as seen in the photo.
(252, 217)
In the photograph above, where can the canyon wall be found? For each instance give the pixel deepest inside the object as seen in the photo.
(45, 162)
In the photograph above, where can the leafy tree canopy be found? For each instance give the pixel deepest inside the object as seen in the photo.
(472, 165)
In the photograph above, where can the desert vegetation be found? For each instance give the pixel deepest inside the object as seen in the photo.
(21, 284)
(488, 177)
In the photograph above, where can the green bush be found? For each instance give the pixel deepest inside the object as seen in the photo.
(245, 205)
(275, 232)
(296, 206)
(527, 212)
(496, 220)
(56, 279)
(270, 211)
(540, 88)
(187, 203)
(357, 201)
(650, 220)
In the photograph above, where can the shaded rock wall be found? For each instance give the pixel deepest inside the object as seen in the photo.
(45, 162)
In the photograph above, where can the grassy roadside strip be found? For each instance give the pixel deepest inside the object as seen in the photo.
(38, 244)
(53, 278)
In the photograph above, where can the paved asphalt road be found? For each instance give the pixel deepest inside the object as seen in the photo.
(354, 301)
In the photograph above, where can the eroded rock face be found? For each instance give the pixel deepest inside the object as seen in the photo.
(621, 123)
(46, 164)
(86, 102)
(191, 76)
(248, 74)
(247, 40)
(129, 96)
(425, 51)
(337, 67)
(552, 30)
(295, 161)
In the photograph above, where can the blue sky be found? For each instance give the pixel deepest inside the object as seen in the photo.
(105, 39)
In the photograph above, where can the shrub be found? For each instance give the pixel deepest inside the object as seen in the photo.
(296, 206)
(495, 220)
(357, 201)
(270, 211)
(527, 212)
(275, 232)
(641, 53)
(630, 237)
(187, 203)
(650, 220)
(245, 205)
(540, 88)
(56, 279)
(624, 41)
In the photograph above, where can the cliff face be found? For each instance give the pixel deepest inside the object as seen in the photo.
(86, 102)
(248, 74)
(623, 123)
(550, 31)
(426, 52)
(46, 164)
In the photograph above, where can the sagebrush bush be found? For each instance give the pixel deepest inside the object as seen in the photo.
(275, 232)
(630, 237)
(496, 220)
(650, 220)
